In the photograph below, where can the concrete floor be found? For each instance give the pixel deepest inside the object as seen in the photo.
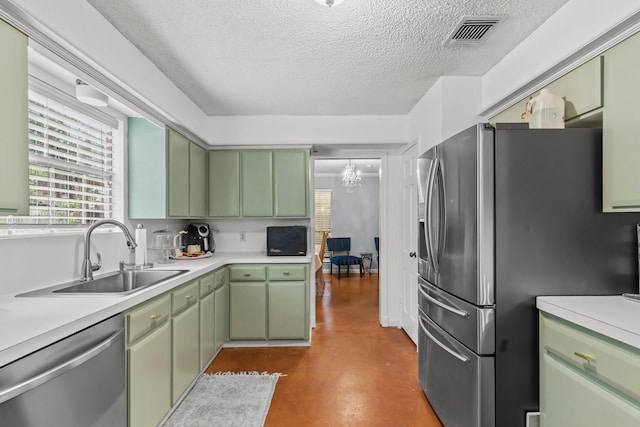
(356, 373)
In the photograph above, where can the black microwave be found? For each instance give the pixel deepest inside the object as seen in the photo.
(287, 241)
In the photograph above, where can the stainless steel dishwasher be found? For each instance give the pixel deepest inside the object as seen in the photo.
(79, 381)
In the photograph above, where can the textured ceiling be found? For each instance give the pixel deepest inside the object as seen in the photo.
(272, 57)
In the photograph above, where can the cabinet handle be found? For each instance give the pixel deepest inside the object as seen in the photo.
(589, 358)
(154, 317)
(286, 273)
(247, 275)
(188, 297)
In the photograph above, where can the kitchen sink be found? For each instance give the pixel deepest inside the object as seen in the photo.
(115, 284)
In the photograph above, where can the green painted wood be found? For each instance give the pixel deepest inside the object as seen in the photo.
(581, 89)
(185, 352)
(149, 378)
(177, 174)
(14, 145)
(257, 183)
(621, 147)
(224, 183)
(222, 315)
(288, 302)
(290, 183)
(147, 169)
(198, 181)
(207, 328)
(569, 398)
(248, 311)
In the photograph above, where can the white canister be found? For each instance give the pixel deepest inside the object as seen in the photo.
(546, 111)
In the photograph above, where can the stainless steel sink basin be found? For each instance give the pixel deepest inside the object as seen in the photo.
(118, 283)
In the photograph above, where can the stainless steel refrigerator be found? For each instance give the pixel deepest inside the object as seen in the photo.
(507, 214)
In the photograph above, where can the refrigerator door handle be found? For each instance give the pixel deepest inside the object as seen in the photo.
(442, 232)
(460, 357)
(428, 194)
(453, 310)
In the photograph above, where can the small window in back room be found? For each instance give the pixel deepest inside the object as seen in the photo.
(71, 164)
(322, 214)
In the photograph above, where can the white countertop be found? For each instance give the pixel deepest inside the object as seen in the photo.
(613, 316)
(28, 324)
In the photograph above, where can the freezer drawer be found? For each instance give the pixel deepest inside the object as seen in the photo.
(471, 325)
(459, 384)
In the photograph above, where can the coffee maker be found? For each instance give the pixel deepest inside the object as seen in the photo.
(200, 234)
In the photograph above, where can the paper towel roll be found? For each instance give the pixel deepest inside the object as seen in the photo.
(141, 249)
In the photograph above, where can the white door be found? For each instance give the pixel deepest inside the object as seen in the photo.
(409, 264)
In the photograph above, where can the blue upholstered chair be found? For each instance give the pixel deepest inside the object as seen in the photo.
(340, 247)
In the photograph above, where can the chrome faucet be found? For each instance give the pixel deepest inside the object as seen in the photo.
(87, 266)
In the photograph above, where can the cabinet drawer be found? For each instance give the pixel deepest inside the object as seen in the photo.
(287, 272)
(239, 273)
(207, 285)
(184, 297)
(610, 361)
(142, 320)
(220, 277)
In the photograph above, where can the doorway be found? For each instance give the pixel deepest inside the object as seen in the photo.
(348, 206)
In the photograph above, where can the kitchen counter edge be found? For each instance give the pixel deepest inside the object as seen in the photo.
(611, 315)
(30, 324)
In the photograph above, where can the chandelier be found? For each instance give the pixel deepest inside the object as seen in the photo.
(351, 178)
(329, 2)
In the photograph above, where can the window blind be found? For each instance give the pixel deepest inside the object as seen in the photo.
(70, 165)
(322, 213)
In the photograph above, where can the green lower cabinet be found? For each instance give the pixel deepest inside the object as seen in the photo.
(185, 338)
(207, 328)
(221, 316)
(287, 310)
(248, 311)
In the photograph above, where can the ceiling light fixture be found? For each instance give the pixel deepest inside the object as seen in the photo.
(351, 178)
(90, 95)
(329, 2)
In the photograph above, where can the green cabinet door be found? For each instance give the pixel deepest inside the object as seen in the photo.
(288, 310)
(290, 183)
(224, 183)
(14, 144)
(222, 316)
(256, 183)
(149, 378)
(185, 353)
(198, 181)
(568, 398)
(621, 147)
(147, 169)
(177, 174)
(207, 329)
(248, 311)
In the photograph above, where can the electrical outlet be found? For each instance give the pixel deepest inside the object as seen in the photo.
(243, 236)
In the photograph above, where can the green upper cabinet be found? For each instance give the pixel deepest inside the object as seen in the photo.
(187, 177)
(290, 183)
(198, 181)
(621, 145)
(177, 174)
(14, 144)
(257, 183)
(224, 183)
(147, 169)
(581, 90)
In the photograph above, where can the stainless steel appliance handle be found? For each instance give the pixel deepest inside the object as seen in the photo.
(443, 215)
(460, 357)
(442, 305)
(13, 391)
(428, 204)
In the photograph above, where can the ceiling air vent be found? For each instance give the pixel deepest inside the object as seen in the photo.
(472, 30)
